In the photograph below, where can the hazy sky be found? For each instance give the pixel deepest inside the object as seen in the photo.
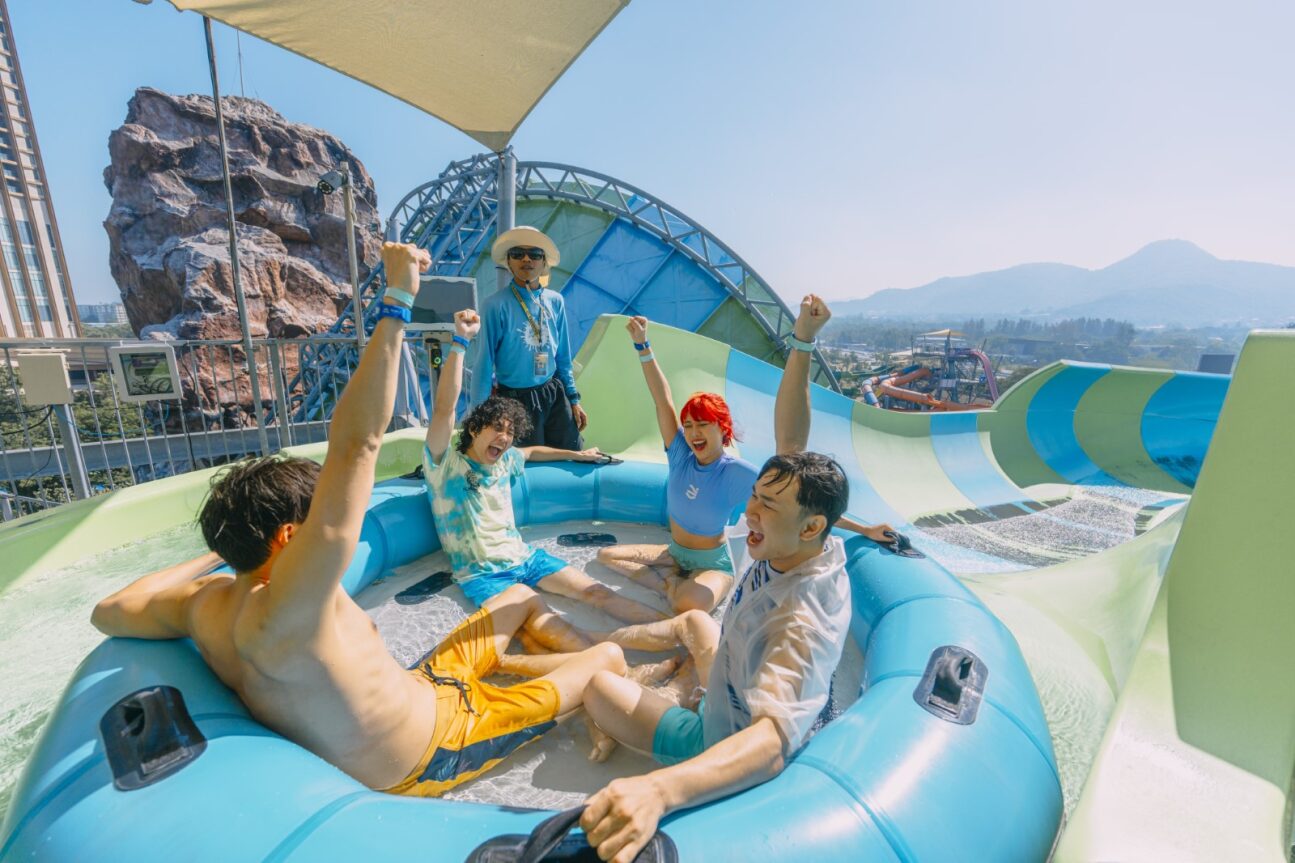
(845, 146)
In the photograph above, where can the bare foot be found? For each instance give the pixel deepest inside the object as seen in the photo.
(652, 673)
(683, 690)
(604, 743)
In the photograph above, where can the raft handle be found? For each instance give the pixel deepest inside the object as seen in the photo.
(899, 544)
(953, 685)
(549, 841)
(149, 735)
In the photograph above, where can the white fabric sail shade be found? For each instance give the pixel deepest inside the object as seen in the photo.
(479, 65)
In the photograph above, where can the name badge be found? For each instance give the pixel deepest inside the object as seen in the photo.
(541, 363)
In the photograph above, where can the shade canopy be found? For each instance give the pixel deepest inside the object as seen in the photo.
(480, 66)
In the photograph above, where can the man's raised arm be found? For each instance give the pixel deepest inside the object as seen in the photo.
(441, 426)
(791, 410)
(308, 571)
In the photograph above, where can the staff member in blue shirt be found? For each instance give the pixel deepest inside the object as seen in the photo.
(526, 352)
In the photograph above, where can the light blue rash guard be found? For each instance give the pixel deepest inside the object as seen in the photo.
(509, 346)
(700, 498)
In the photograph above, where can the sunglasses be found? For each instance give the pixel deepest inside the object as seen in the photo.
(533, 254)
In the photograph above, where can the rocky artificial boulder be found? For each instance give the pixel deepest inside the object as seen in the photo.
(168, 229)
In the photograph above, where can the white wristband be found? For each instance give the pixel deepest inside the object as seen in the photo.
(800, 345)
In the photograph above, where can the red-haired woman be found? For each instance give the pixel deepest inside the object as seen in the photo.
(705, 486)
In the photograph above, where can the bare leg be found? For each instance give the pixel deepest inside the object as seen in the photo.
(647, 673)
(520, 608)
(574, 584)
(572, 678)
(648, 565)
(522, 665)
(624, 710)
(694, 630)
(530, 645)
(702, 590)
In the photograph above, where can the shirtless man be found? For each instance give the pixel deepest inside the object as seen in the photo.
(305, 659)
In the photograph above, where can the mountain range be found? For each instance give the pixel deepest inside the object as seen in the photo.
(1169, 282)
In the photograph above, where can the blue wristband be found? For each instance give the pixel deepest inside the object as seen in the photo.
(799, 345)
(646, 358)
(389, 311)
(642, 347)
(459, 340)
(457, 348)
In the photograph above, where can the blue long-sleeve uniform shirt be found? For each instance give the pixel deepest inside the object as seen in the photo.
(509, 346)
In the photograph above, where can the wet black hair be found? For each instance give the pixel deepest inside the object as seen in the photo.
(249, 501)
(494, 411)
(823, 488)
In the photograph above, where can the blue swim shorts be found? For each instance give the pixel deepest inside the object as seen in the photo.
(694, 559)
(481, 587)
(678, 735)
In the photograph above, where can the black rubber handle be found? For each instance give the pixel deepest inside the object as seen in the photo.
(900, 544)
(548, 834)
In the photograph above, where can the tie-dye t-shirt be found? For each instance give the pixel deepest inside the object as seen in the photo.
(472, 505)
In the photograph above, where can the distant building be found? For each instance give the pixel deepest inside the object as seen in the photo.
(102, 313)
(37, 301)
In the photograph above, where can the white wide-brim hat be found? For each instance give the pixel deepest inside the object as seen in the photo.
(527, 237)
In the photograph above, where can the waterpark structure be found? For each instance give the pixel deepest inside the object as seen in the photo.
(945, 374)
(1164, 649)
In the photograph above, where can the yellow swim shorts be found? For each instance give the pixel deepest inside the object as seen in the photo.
(477, 724)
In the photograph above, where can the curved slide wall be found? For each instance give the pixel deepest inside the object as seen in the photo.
(1068, 424)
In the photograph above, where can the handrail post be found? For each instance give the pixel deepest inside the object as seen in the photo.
(72, 446)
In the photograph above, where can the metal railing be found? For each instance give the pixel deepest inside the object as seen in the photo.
(122, 444)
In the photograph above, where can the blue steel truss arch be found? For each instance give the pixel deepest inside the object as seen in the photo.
(681, 273)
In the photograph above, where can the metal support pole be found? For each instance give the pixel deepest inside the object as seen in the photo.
(348, 195)
(409, 412)
(280, 400)
(72, 446)
(233, 244)
(507, 215)
(506, 210)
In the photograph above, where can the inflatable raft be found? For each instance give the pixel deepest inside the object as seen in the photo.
(945, 754)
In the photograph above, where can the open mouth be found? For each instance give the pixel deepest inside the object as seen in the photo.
(754, 538)
(698, 445)
(494, 452)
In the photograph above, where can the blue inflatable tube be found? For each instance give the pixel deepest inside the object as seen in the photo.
(888, 780)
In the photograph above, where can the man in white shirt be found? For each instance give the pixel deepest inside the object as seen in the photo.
(768, 670)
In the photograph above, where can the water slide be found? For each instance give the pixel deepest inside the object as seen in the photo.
(990, 380)
(1159, 655)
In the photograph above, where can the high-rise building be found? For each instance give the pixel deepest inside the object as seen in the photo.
(102, 313)
(38, 298)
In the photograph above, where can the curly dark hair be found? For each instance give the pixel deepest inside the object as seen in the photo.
(249, 501)
(823, 488)
(494, 411)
